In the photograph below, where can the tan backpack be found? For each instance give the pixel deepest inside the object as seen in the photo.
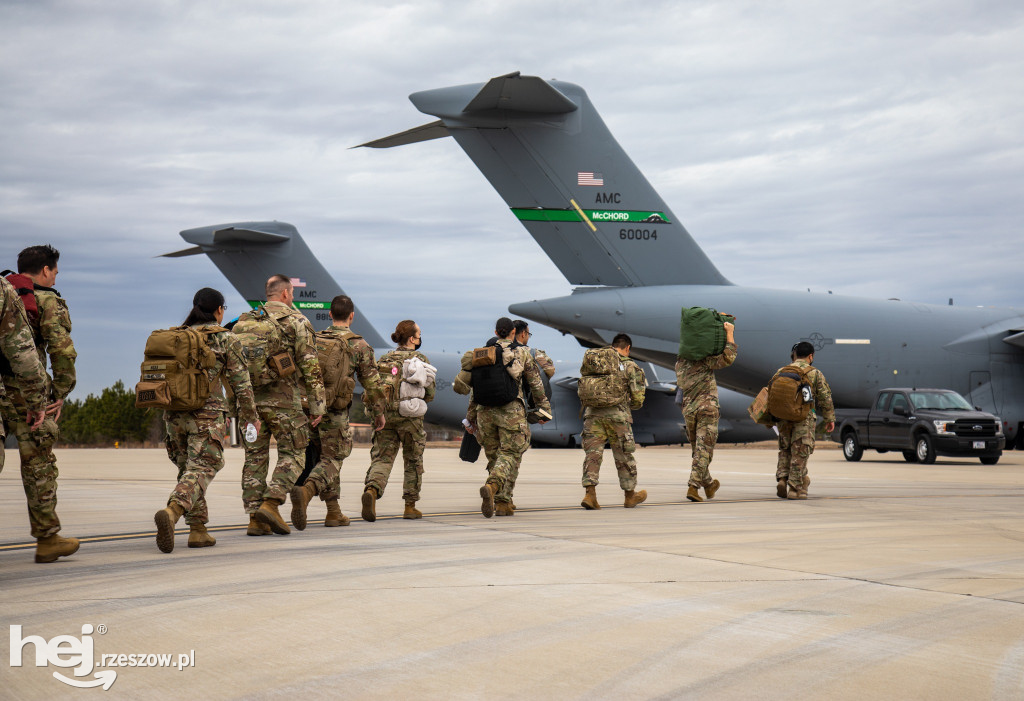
(603, 378)
(335, 357)
(263, 347)
(786, 394)
(175, 369)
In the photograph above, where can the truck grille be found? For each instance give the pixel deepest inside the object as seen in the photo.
(975, 428)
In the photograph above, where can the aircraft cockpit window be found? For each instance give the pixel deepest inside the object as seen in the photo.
(883, 399)
(898, 401)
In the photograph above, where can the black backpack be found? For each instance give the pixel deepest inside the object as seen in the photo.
(492, 384)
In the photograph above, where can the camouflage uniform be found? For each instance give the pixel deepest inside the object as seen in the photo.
(544, 362)
(700, 409)
(399, 431)
(279, 405)
(614, 425)
(194, 438)
(334, 431)
(52, 336)
(503, 432)
(19, 349)
(796, 438)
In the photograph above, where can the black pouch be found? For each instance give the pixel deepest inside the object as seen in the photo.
(469, 451)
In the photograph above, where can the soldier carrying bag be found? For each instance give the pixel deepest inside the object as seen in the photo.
(789, 395)
(175, 369)
(603, 378)
(701, 332)
(335, 357)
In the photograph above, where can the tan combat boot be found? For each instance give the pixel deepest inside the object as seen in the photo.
(334, 516)
(590, 500)
(693, 494)
(411, 511)
(300, 500)
(165, 520)
(257, 528)
(199, 537)
(795, 493)
(634, 498)
(487, 493)
(503, 508)
(369, 500)
(268, 514)
(780, 489)
(711, 489)
(51, 547)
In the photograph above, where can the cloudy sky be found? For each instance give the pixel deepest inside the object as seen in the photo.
(883, 140)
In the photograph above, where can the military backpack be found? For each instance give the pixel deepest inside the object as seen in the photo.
(789, 394)
(263, 347)
(175, 370)
(390, 371)
(494, 378)
(335, 357)
(603, 380)
(701, 332)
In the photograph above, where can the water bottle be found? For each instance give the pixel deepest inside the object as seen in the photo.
(250, 433)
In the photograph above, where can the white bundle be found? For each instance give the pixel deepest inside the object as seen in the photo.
(410, 391)
(416, 372)
(412, 408)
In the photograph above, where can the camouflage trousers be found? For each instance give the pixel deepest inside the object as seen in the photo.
(291, 431)
(335, 445)
(796, 443)
(193, 441)
(38, 470)
(702, 432)
(599, 430)
(504, 436)
(399, 432)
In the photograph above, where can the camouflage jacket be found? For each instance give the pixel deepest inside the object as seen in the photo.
(697, 380)
(53, 330)
(636, 383)
(299, 341)
(397, 357)
(228, 370)
(823, 405)
(531, 377)
(28, 377)
(363, 367)
(544, 361)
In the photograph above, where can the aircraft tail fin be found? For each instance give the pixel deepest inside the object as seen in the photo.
(546, 150)
(249, 253)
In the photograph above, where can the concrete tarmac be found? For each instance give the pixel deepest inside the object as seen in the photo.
(892, 581)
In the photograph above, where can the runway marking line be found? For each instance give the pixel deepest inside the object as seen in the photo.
(221, 529)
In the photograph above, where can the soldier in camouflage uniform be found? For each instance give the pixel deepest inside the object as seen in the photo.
(334, 431)
(796, 438)
(696, 378)
(23, 370)
(194, 438)
(614, 425)
(503, 431)
(279, 404)
(400, 432)
(51, 331)
(543, 360)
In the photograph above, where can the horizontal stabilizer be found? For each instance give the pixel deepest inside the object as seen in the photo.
(1016, 339)
(425, 132)
(520, 94)
(233, 236)
(195, 250)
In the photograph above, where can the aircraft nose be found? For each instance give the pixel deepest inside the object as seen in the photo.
(534, 311)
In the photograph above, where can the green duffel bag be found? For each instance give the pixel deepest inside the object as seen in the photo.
(701, 332)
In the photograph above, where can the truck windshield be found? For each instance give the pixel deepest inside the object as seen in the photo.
(939, 400)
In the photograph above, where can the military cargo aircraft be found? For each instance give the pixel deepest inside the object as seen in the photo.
(248, 253)
(545, 149)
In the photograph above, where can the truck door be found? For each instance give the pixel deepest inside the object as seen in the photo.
(876, 416)
(894, 430)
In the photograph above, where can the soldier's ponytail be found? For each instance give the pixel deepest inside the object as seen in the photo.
(204, 307)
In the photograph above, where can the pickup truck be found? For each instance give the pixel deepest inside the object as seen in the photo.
(922, 423)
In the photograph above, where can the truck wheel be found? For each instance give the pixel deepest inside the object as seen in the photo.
(851, 447)
(910, 456)
(924, 449)
(989, 460)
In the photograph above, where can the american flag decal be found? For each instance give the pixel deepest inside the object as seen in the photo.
(298, 282)
(595, 179)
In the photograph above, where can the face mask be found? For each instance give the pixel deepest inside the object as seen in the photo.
(416, 346)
